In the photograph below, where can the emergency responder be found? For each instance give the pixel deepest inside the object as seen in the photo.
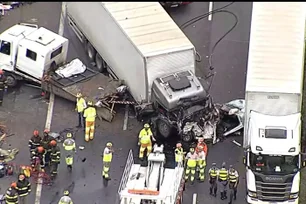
(233, 178)
(70, 150)
(90, 117)
(223, 181)
(191, 158)
(3, 86)
(45, 142)
(55, 158)
(201, 163)
(26, 170)
(23, 188)
(65, 199)
(11, 196)
(107, 159)
(213, 173)
(145, 140)
(179, 154)
(35, 141)
(201, 143)
(39, 152)
(80, 107)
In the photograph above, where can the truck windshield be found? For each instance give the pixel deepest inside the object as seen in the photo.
(274, 164)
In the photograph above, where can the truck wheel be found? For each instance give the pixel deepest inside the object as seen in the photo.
(11, 81)
(91, 52)
(187, 137)
(164, 128)
(101, 65)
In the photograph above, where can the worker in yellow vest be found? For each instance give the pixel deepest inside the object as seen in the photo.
(80, 107)
(145, 142)
(70, 150)
(201, 163)
(107, 159)
(191, 158)
(223, 181)
(179, 154)
(90, 114)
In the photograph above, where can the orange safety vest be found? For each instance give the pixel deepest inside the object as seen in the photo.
(204, 145)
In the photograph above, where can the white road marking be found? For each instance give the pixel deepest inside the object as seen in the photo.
(194, 198)
(210, 8)
(126, 117)
(51, 104)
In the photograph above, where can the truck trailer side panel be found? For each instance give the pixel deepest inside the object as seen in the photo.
(276, 59)
(112, 44)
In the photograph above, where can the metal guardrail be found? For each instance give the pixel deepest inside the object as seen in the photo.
(126, 172)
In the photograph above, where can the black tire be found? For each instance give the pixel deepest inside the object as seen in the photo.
(101, 65)
(11, 80)
(187, 138)
(164, 128)
(91, 52)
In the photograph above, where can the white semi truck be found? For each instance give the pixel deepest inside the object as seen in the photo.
(272, 134)
(141, 44)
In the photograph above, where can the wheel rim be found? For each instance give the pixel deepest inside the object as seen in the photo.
(10, 80)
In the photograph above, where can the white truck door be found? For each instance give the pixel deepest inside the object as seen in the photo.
(6, 55)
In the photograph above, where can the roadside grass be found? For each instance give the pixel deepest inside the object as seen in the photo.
(302, 199)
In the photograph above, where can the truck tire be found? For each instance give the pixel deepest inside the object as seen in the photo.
(164, 128)
(101, 64)
(11, 80)
(91, 52)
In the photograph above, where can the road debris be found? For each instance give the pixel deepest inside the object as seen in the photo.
(236, 143)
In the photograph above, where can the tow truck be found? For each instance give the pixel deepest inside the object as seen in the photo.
(153, 183)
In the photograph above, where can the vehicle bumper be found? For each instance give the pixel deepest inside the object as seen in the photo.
(256, 201)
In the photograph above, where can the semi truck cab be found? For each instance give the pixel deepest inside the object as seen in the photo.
(27, 51)
(273, 158)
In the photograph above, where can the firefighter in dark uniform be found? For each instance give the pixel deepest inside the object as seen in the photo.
(40, 153)
(23, 188)
(233, 178)
(45, 142)
(55, 158)
(213, 173)
(35, 141)
(11, 196)
(3, 86)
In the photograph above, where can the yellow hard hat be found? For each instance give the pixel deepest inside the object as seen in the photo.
(191, 149)
(109, 144)
(79, 94)
(146, 125)
(69, 135)
(90, 103)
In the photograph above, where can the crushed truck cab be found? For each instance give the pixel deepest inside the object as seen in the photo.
(153, 183)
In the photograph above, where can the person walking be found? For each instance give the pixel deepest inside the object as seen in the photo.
(223, 181)
(213, 173)
(107, 159)
(11, 195)
(191, 158)
(3, 86)
(233, 183)
(80, 107)
(70, 150)
(65, 199)
(55, 158)
(90, 114)
(23, 188)
(145, 140)
(45, 142)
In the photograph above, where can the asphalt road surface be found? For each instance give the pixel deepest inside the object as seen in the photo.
(25, 111)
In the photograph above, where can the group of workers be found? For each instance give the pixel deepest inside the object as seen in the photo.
(18, 191)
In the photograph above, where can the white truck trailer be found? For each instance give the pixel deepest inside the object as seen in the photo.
(139, 43)
(272, 134)
(153, 183)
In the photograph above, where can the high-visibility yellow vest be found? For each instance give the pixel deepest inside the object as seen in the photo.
(179, 152)
(192, 160)
(107, 157)
(90, 114)
(232, 177)
(145, 136)
(213, 173)
(81, 104)
(69, 144)
(223, 174)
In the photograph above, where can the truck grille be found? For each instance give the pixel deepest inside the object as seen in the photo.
(273, 191)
